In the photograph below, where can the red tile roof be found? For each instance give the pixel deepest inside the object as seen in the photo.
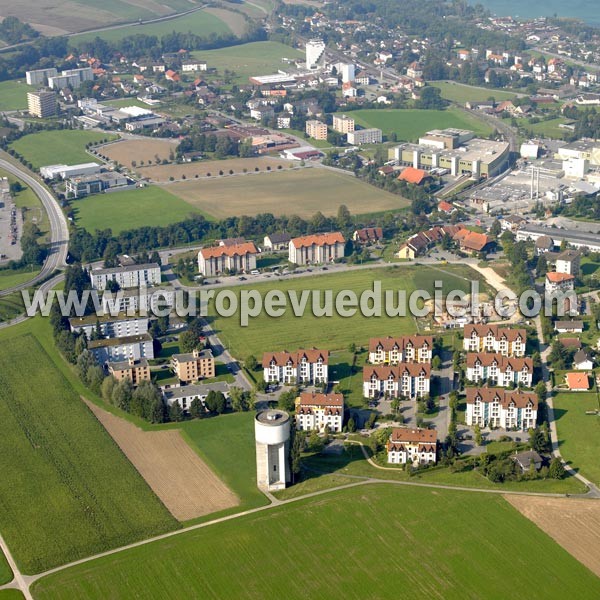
(239, 250)
(319, 239)
(285, 357)
(553, 277)
(389, 343)
(496, 331)
(316, 399)
(414, 176)
(578, 381)
(487, 359)
(383, 372)
(445, 206)
(502, 396)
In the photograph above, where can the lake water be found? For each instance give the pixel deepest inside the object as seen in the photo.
(586, 10)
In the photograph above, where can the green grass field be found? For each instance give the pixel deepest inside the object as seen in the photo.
(461, 93)
(549, 128)
(58, 146)
(200, 23)
(409, 124)
(9, 278)
(578, 433)
(265, 333)
(11, 306)
(119, 211)
(66, 491)
(13, 94)
(245, 60)
(11, 594)
(366, 542)
(6, 574)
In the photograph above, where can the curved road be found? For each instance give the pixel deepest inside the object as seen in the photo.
(59, 229)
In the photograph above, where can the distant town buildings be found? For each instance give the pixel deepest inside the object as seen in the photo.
(315, 54)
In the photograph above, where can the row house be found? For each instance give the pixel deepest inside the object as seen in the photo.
(316, 249)
(407, 349)
(315, 412)
(291, 368)
(499, 370)
(416, 446)
(493, 338)
(421, 242)
(220, 259)
(407, 380)
(493, 407)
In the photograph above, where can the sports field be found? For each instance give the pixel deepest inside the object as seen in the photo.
(56, 147)
(66, 489)
(409, 124)
(13, 94)
(200, 23)
(579, 433)
(245, 60)
(146, 151)
(130, 209)
(300, 192)
(363, 542)
(461, 93)
(289, 332)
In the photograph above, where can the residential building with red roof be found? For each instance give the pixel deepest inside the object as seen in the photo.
(408, 348)
(559, 282)
(233, 258)
(494, 338)
(317, 248)
(367, 235)
(578, 382)
(498, 407)
(407, 380)
(414, 176)
(301, 366)
(446, 207)
(315, 412)
(499, 370)
(417, 446)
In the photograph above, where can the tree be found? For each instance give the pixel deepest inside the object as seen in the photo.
(221, 403)
(196, 408)
(315, 443)
(175, 412)
(540, 390)
(538, 440)
(296, 447)
(188, 341)
(478, 436)
(436, 363)
(122, 393)
(239, 400)
(251, 363)
(495, 229)
(108, 385)
(211, 401)
(351, 425)
(557, 469)
(287, 400)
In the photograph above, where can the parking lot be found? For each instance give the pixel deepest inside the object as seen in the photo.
(11, 226)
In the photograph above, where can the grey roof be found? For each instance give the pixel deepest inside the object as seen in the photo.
(131, 339)
(568, 325)
(544, 241)
(526, 458)
(279, 238)
(119, 365)
(106, 318)
(125, 269)
(581, 356)
(200, 389)
(582, 238)
(569, 255)
(187, 356)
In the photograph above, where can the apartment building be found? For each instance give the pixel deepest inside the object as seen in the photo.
(119, 349)
(365, 136)
(39, 76)
(122, 325)
(41, 104)
(407, 380)
(128, 276)
(316, 249)
(316, 129)
(199, 364)
(493, 407)
(227, 258)
(499, 370)
(133, 370)
(72, 78)
(568, 262)
(138, 301)
(416, 446)
(318, 411)
(559, 282)
(394, 350)
(494, 338)
(301, 366)
(343, 124)
(186, 394)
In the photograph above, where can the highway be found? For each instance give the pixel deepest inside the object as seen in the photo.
(59, 229)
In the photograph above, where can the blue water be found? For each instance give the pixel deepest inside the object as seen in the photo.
(586, 10)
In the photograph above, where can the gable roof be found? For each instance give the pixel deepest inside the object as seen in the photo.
(487, 359)
(404, 434)
(553, 277)
(578, 381)
(503, 396)
(473, 240)
(369, 233)
(317, 399)
(319, 239)
(237, 249)
(285, 357)
(395, 372)
(414, 176)
(389, 343)
(495, 331)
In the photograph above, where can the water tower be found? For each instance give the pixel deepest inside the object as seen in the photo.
(272, 434)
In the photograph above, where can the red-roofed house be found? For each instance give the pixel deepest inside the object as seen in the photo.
(171, 75)
(317, 248)
(446, 207)
(418, 446)
(559, 282)
(368, 234)
(316, 411)
(219, 259)
(302, 366)
(414, 176)
(578, 382)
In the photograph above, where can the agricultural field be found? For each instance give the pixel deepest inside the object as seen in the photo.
(55, 147)
(409, 124)
(11, 594)
(438, 544)
(127, 151)
(549, 128)
(462, 93)
(130, 209)
(6, 574)
(13, 94)
(234, 21)
(98, 500)
(265, 333)
(578, 432)
(246, 60)
(302, 192)
(200, 23)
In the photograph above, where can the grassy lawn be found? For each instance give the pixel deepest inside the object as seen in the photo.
(9, 278)
(548, 128)
(6, 574)
(311, 141)
(491, 544)
(58, 146)
(11, 306)
(300, 192)
(265, 333)
(11, 594)
(246, 60)
(13, 94)
(409, 124)
(461, 93)
(71, 492)
(200, 23)
(119, 211)
(578, 433)
(351, 383)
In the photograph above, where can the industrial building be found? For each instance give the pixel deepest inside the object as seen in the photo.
(94, 184)
(315, 54)
(41, 104)
(65, 171)
(575, 239)
(272, 436)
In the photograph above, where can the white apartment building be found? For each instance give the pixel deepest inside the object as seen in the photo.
(408, 348)
(71, 78)
(416, 446)
(365, 136)
(315, 54)
(408, 380)
(110, 327)
(568, 262)
(150, 300)
(317, 411)
(41, 104)
(127, 277)
(119, 349)
(559, 282)
(220, 259)
(493, 407)
(302, 366)
(39, 76)
(343, 124)
(494, 338)
(499, 370)
(316, 249)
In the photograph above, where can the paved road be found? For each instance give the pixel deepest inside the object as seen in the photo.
(59, 230)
